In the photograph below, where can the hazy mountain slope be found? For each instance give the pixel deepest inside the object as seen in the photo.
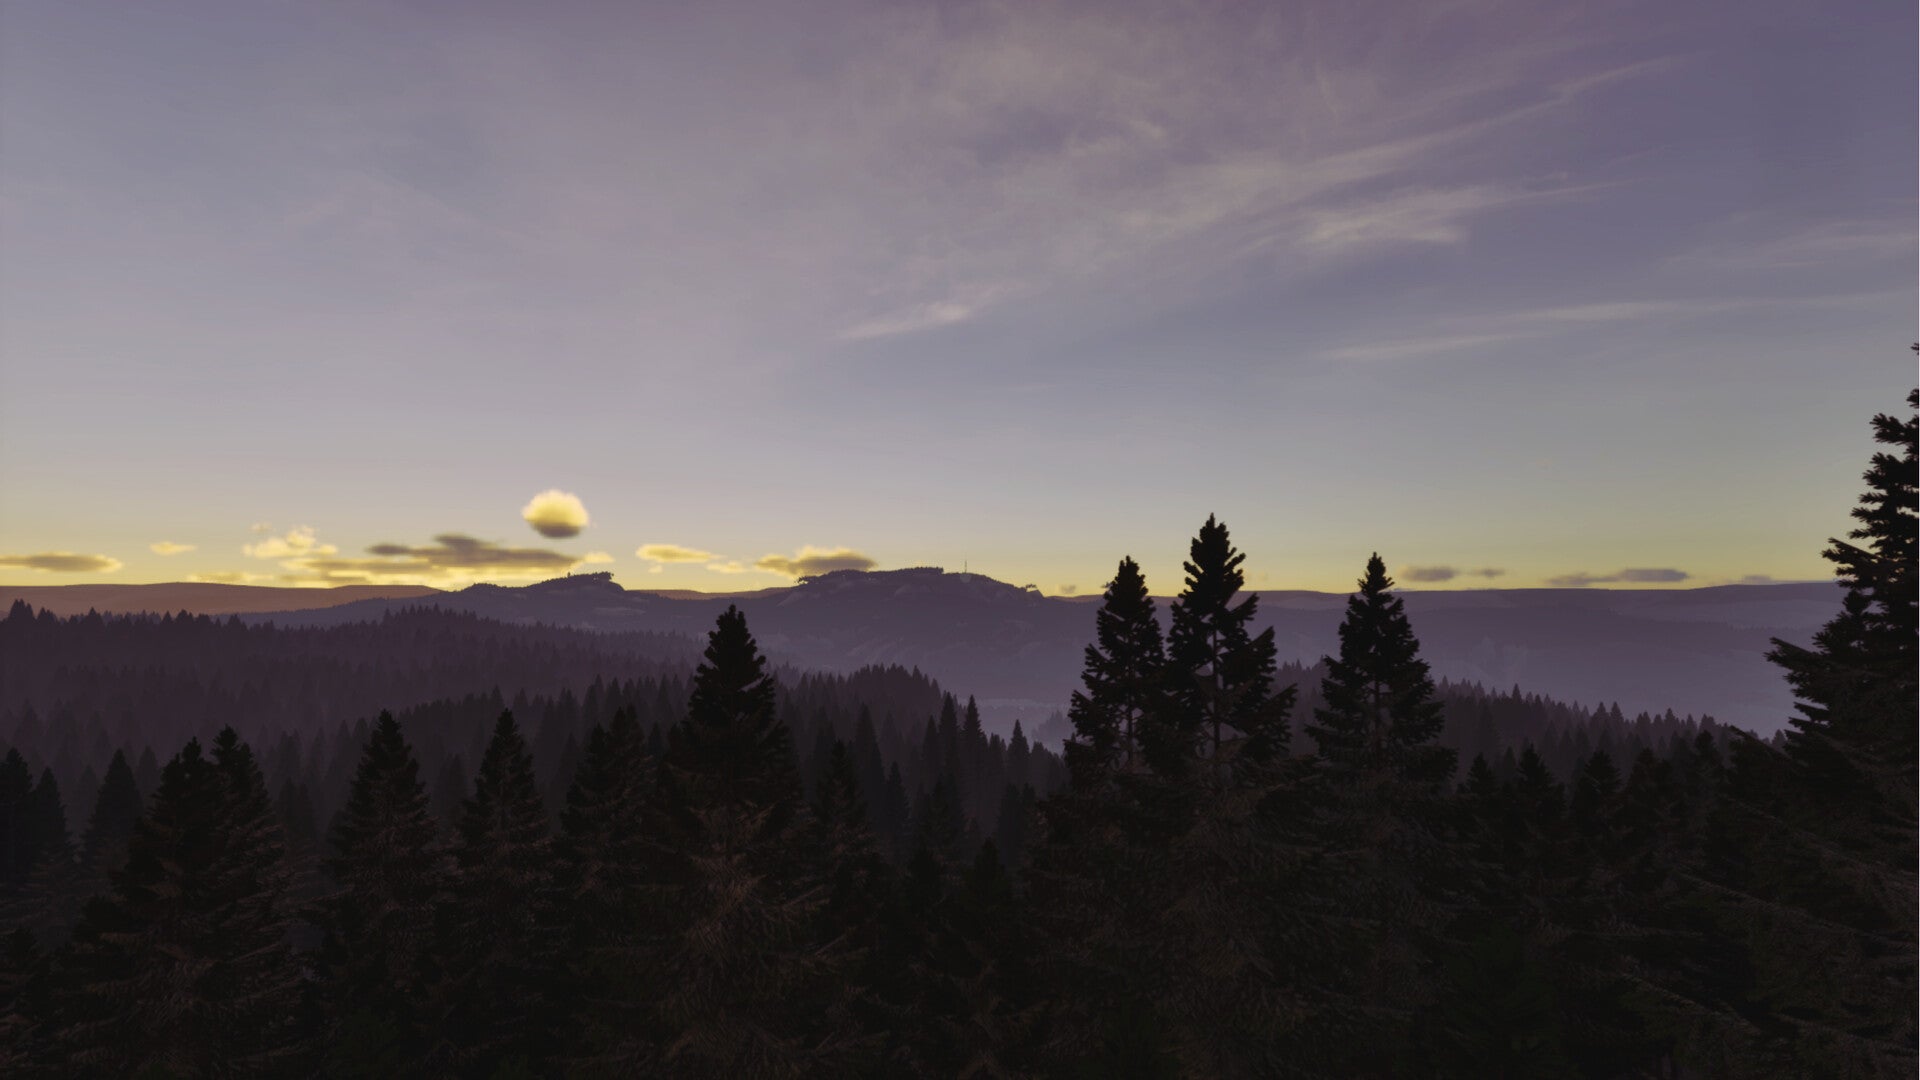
(199, 597)
(1692, 650)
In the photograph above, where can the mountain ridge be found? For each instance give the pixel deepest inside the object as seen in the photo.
(1699, 651)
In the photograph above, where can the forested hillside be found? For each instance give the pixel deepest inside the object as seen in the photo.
(1231, 871)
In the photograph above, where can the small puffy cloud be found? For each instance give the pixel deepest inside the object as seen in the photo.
(810, 561)
(1067, 590)
(726, 566)
(671, 553)
(1448, 573)
(297, 543)
(555, 514)
(596, 558)
(1758, 579)
(61, 562)
(168, 547)
(1643, 575)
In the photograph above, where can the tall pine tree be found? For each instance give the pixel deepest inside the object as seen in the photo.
(1381, 712)
(183, 969)
(1219, 673)
(611, 900)
(745, 974)
(497, 937)
(1123, 678)
(391, 873)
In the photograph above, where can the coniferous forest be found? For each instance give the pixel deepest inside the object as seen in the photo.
(697, 864)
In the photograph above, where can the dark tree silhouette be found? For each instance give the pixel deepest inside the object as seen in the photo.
(391, 873)
(1381, 714)
(497, 941)
(1219, 674)
(183, 969)
(1123, 681)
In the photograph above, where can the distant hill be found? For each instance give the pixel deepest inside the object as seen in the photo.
(199, 597)
(1698, 651)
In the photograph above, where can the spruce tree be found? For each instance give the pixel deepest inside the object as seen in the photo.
(1810, 852)
(732, 746)
(49, 902)
(610, 900)
(183, 969)
(391, 873)
(19, 827)
(1219, 673)
(1123, 678)
(1378, 803)
(745, 970)
(1857, 684)
(1381, 713)
(496, 945)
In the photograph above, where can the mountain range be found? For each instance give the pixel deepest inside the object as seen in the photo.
(1695, 651)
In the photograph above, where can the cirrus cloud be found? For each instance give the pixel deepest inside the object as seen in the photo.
(230, 577)
(1448, 573)
(451, 557)
(62, 562)
(555, 514)
(168, 547)
(673, 553)
(1640, 575)
(296, 543)
(810, 561)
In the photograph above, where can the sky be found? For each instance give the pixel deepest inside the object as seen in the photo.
(715, 295)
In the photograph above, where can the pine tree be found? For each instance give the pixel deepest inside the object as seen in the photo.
(732, 745)
(183, 969)
(496, 945)
(1810, 852)
(611, 899)
(1857, 685)
(18, 824)
(391, 873)
(49, 902)
(1378, 803)
(855, 873)
(745, 970)
(1381, 713)
(1219, 673)
(1123, 677)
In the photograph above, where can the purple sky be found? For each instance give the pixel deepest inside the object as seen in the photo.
(1590, 292)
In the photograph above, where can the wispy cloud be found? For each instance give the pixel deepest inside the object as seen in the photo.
(919, 317)
(62, 562)
(1462, 333)
(168, 547)
(1448, 573)
(230, 577)
(1635, 575)
(298, 542)
(452, 557)
(810, 560)
(1411, 348)
(1799, 247)
(673, 553)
